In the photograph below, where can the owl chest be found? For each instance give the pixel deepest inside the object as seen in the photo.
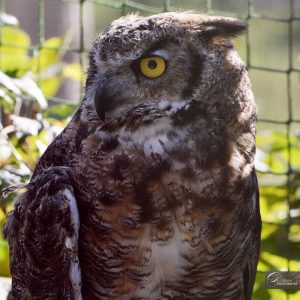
(145, 226)
(141, 262)
(163, 260)
(160, 139)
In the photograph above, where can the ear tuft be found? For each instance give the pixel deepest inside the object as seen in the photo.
(226, 27)
(211, 26)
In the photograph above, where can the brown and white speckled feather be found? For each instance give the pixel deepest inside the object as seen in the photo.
(43, 233)
(161, 171)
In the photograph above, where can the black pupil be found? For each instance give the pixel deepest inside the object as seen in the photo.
(152, 64)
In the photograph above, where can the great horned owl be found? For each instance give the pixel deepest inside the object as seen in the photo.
(150, 192)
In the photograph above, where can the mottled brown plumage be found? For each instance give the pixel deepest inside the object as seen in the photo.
(158, 170)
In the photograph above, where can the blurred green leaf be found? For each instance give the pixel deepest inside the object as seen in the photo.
(75, 72)
(14, 50)
(6, 102)
(50, 85)
(294, 243)
(272, 261)
(48, 55)
(273, 247)
(273, 204)
(4, 252)
(48, 67)
(295, 152)
(60, 111)
(274, 146)
(259, 291)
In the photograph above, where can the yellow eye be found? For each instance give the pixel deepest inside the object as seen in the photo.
(153, 66)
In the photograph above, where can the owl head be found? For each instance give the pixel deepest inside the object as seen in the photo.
(169, 57)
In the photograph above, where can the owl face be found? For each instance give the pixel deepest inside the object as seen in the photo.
(167, 57)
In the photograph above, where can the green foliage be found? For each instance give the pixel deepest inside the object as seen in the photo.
(280, 210)
(15, 44)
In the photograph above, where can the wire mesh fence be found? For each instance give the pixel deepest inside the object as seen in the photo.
(271, 50)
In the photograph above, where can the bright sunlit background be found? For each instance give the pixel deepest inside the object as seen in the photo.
(43, 47)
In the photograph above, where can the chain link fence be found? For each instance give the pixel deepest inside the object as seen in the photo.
(271, 50)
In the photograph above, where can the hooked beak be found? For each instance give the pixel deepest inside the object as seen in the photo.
(102, 99)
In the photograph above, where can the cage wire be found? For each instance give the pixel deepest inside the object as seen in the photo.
(206, 6)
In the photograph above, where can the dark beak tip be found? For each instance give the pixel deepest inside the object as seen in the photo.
(101, 99)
